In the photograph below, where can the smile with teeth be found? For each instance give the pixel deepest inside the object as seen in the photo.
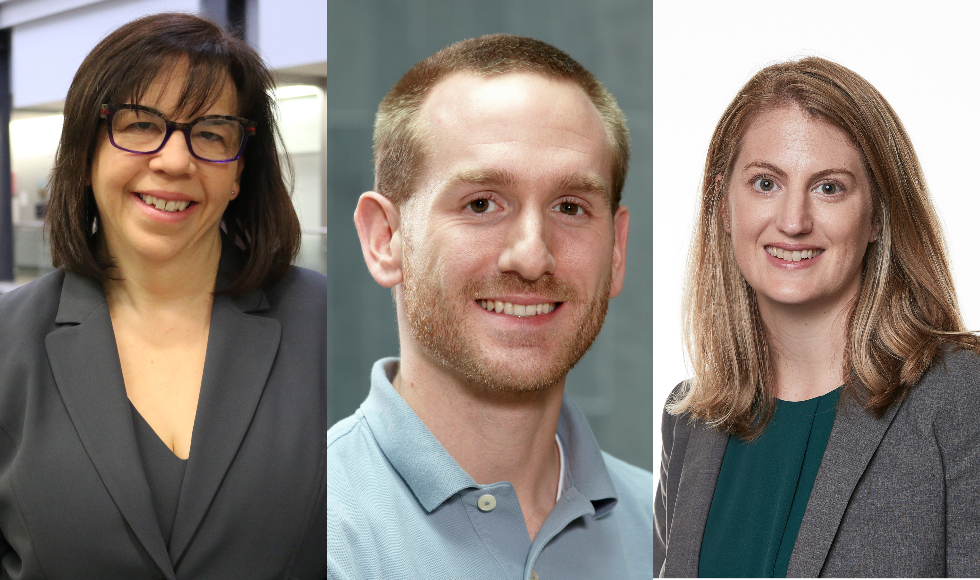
(517, 309)
(795, 256)
(164, 205)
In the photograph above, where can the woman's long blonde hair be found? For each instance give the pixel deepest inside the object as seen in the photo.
(907, 308)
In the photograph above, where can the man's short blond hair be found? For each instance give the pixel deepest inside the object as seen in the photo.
(400, 141)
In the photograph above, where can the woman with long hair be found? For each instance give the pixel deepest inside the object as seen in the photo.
(832, 425)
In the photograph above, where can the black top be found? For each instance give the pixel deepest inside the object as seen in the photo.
(164, 473)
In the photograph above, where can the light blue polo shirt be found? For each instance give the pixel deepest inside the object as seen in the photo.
(399, 507)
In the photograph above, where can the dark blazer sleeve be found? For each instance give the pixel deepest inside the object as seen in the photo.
(958, 433)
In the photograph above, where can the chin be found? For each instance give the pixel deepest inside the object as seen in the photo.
(160, 249)
(515, 380)
(513, 370)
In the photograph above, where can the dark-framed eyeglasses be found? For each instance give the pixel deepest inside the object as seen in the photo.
(139, 129)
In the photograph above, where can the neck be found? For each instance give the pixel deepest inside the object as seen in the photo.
(494, 436)
(807, 347)
(179, 281)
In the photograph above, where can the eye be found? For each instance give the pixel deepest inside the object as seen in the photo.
(482, 205)
(830, 188)
(208, 136)
(569, 208)
(764, 184)
(140, 128)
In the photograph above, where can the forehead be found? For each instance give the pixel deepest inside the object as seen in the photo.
(796, 140)
(471, 121)
(181, 92)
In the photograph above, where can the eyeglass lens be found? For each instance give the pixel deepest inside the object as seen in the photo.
(144, 132)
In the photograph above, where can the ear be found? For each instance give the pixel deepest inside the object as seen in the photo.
(377, 222)
(621, 233)
(237, 185)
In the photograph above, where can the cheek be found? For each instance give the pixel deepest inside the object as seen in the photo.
(108, 177)
(746, 216)
(583, 258)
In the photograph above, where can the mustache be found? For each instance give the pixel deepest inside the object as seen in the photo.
(556, 290)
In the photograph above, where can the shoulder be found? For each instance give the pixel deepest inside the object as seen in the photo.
(353, 455)
(299, 301)
(299, 284)
(44, 290)
(339, 436)
(633, 484)
(948, 395)
(671, 424)
(34, 305)
(368, 504)
(956, 371)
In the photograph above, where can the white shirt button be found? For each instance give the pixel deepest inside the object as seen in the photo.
(486, 502)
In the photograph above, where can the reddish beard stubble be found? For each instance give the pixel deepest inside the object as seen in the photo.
(437, 318)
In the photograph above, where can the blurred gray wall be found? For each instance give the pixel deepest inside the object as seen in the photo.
(371, 44)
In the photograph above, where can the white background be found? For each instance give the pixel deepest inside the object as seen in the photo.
(924, 57)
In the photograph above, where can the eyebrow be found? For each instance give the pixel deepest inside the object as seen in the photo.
(584, 184)
(780, 173)
(482, 177)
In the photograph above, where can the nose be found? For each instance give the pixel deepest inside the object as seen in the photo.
(527, 251)
(174, 157)
(794, 213)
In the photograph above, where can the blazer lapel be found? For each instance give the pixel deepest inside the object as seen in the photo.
(853, 441)
(85, 363)
(241, 350)
(706, 450)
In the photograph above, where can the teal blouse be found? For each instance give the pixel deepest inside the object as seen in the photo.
(762, 492)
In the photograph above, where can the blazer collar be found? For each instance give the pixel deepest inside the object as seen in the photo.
(82, 351)
(85, 363)
(853, 441)
(242, 347)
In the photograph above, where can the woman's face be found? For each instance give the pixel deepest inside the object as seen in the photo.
(128, 187)
(799, 212)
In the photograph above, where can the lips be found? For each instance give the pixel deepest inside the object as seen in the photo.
(163, 204)
(521, 310)
(793, 255)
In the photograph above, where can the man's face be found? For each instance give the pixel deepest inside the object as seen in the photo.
(510, 248)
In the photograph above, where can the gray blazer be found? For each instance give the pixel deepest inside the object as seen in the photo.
(74, 501)
(896, 496)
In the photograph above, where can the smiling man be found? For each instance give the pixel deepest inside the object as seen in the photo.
(499, 165)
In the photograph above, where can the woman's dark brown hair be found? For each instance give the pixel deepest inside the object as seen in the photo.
(261, 219)
(906, 312)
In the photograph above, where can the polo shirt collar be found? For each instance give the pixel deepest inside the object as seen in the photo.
(434, 476)
(586, 465)
(425, 465)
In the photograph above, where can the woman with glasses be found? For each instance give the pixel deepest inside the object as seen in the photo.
(832, 426)
(161, 401)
